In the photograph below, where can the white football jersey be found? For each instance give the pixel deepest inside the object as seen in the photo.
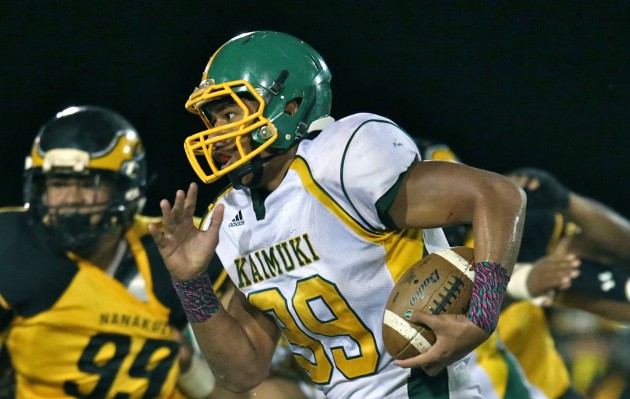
(316, 256)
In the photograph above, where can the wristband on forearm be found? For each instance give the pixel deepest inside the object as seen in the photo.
(198, 299)
(489, 287)
(517, 287)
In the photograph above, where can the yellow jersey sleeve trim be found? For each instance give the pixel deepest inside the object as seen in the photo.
(141, 224)
(202, 221)
(443, 154)
(303, 171)
(4, 303)
(218, 283)
(144, 267)
(403, 248)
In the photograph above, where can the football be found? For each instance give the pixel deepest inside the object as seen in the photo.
(441, 282)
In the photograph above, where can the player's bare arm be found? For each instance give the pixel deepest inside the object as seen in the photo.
(604, 234)
(438, 193)
(248, 336)
(443, 193)
(238, 344)
(613, 310)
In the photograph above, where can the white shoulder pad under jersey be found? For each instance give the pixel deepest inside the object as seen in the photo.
(358, 159)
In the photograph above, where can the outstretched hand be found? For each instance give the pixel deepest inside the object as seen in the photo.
(456, 337)
(186, 250)
(553, 272)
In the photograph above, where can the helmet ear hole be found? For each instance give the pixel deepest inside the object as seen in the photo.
(291, 107)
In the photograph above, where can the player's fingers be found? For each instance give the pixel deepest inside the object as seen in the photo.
(167, 215)
(217, 215)
(568, 268)
(178, 206)
(157, 235)
(430, 361)
(519, 179)
(568, 278)
(556, 278)
(565, 283)
(533, 184)
(431, 369)
(420, 317)
(191, 200)
(562, 277)
(568, 259)
(574, 260)
(215, 220)
(558, 265)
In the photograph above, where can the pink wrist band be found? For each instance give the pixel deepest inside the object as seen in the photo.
(198, 299)
(491, 281)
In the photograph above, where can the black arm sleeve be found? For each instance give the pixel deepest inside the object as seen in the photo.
(162, 285)
(602, 281)
(6, 316)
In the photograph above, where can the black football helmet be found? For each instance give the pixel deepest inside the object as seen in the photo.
(101, 148)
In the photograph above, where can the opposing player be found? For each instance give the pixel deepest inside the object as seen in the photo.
(86, 305)
(322, 217)
(573, 255)
(562, 225)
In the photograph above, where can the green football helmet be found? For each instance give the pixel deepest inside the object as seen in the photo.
(274, 69)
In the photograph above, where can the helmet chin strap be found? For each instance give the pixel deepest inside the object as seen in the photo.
(75, 233)
(253, 167)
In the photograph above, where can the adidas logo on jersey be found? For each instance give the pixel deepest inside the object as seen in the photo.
(238, 220)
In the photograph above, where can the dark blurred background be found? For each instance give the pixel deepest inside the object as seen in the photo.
(505, 84)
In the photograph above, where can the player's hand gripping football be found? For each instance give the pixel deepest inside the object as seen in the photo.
(186, 249)
(456, 336)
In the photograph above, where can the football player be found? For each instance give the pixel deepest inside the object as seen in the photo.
(87, 308)
(555, 266)
(322, 218)
(563, 225)
(492, 365)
